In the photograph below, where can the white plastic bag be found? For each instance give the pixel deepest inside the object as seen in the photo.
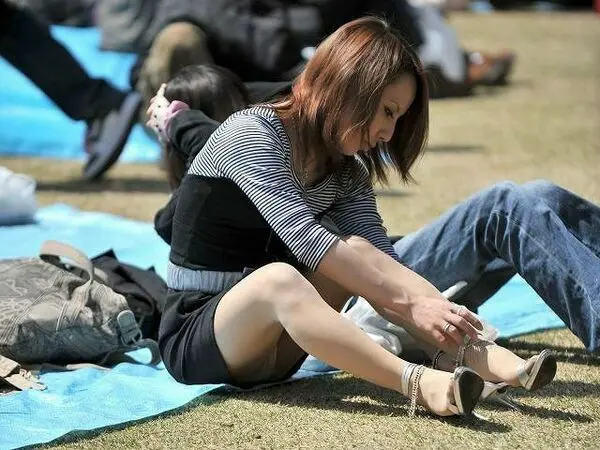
(394, 338)
(17, 198)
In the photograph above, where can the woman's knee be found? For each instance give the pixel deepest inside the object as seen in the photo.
(285, 285)
(282, 276)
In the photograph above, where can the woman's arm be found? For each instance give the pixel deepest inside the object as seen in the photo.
(399, 294)
(375, 271)
(189, 131)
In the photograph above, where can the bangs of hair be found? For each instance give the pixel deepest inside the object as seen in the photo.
(347, 75)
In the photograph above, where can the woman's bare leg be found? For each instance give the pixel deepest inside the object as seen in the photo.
(288, 352)
(251, 318)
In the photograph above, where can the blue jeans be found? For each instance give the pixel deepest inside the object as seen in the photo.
(548, 234)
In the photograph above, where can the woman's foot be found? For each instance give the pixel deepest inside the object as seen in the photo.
(441, 393)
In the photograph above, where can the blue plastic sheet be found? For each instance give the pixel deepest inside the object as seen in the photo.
(88, 399)
(31, 125)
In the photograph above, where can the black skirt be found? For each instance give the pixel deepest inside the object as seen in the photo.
(187, 341)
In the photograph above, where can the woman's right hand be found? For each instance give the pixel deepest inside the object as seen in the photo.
(161, 111)
(444, 321)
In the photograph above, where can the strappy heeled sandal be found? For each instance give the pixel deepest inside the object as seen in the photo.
(540, 373)
(490, 390)
(467, 386)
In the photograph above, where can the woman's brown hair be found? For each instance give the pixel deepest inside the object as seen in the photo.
(349, 72)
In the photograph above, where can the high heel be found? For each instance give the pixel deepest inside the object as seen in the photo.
(466, 388)
(533, 374)
(490, 390)
(541, 372)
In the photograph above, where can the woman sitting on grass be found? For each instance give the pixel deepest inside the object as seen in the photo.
(275, 226)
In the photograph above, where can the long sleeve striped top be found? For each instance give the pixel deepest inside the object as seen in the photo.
(252, 149)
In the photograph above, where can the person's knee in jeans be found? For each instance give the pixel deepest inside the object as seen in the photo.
(178, 45)
(541, 188)
(498, 196)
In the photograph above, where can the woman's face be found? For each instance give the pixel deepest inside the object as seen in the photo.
(395, 101)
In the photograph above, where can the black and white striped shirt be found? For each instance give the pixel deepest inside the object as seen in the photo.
(251, 148)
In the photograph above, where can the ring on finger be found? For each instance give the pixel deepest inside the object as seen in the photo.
(447, 327)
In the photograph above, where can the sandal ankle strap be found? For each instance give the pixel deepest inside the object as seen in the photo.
(436, 358)
(460, 355)
(407, 372)
(414, 393)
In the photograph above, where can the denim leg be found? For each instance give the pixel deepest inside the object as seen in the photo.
(581, 217)
(27, 44)
(508, 221)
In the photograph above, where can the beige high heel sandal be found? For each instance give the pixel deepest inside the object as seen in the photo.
(490, 390)
(466, 387)
(541, 371)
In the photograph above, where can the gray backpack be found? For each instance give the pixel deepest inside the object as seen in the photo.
(53, 313)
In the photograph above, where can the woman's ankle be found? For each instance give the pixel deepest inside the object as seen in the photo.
(429, 388)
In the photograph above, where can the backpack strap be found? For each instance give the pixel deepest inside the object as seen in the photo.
(13, 374)
(131, 339)
(61, 250)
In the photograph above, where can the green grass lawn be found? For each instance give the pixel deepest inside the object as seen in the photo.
(545, 125)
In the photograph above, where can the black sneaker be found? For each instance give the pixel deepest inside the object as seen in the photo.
(106, 137)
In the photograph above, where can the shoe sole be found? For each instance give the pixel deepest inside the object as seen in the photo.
(102, 160)
(468, 385)
(543, 370)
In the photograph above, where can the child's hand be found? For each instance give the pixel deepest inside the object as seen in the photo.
(160, 113)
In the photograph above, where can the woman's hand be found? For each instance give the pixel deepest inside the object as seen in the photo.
(438, 318)
(160, 113)
(443, 320)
